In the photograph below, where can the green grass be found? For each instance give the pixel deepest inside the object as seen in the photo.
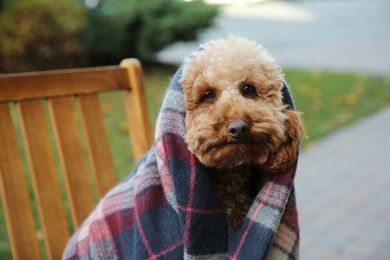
(329, 100)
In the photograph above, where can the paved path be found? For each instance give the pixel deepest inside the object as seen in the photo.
(351, 35)
(343, 193)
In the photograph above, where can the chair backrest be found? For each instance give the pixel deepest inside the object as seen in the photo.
(60, 91)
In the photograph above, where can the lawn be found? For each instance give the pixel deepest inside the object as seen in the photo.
(332, 100)
(329, 100)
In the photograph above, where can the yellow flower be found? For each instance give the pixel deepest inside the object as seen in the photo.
(351, 99)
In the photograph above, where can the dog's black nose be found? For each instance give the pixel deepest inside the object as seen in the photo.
(238, 129)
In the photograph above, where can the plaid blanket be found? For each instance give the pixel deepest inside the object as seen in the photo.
(166, 209)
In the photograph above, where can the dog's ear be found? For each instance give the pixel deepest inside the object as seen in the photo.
(286, 155)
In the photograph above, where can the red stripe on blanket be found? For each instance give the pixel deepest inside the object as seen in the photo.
(190, 199)
(257, 211)
(276, 197)
(290, 216)
(144, 202)
(119, 222)
(150, 199)
(165, 176)
(169, 249)
(202, 211)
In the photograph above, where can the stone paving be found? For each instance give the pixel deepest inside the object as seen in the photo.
(343, 193)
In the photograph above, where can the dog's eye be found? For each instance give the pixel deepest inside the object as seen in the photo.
(248, 90)
(208, 95)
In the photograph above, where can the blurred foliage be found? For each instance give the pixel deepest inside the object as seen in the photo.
(41, 34)
(49, 34)
(138, 28)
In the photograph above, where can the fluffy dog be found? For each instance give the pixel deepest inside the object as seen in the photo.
(237, 124)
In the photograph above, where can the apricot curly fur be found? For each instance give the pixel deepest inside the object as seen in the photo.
(214, 81)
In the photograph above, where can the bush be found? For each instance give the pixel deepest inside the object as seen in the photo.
(137, 28)
(41, 34)
(49, 34)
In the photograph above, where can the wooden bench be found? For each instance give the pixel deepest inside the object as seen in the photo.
(60, 91)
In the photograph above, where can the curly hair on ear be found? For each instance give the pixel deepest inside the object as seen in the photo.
(286, 155)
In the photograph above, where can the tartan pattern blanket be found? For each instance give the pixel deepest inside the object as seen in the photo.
(166, 209)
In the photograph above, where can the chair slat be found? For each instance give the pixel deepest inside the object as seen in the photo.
(13, 187)
(72, 159)
(137, 109)
(24, 86)
(97, 143)
(44, 178)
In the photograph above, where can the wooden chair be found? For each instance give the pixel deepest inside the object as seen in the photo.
(60, 90)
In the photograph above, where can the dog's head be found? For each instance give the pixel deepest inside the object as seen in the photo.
(234, 107)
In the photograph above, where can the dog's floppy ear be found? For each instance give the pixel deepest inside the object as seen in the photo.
(285, 156)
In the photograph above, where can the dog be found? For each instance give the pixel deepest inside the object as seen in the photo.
(225, 124)
(237, 124)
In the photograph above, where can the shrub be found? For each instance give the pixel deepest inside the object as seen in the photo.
(41, 34)
(49, 34)
(137, 28)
